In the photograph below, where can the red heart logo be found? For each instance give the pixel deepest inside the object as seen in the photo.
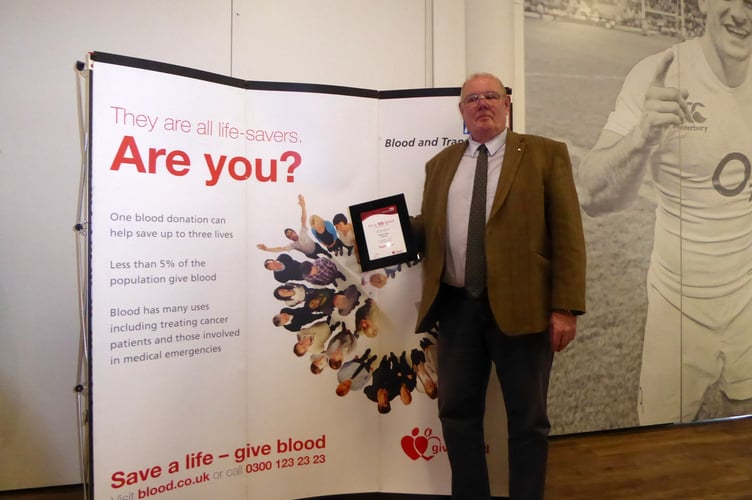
(408, 446)
(421, 444)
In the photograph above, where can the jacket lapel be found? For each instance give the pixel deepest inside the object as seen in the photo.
(513, 153)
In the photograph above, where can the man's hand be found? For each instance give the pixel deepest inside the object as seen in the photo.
(664, 106)
(563, 328)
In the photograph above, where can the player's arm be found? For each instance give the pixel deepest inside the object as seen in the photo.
(610, 176)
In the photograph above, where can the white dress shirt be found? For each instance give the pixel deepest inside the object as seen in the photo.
(458, 204)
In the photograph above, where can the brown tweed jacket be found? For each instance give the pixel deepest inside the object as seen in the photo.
(535, 247)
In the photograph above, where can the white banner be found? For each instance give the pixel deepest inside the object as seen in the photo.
(237, 349)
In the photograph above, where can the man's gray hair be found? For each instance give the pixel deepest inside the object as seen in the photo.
(482, 75)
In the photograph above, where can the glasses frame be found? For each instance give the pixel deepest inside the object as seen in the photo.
(475, 99)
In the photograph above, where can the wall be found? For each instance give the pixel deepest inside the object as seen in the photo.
(382, 45)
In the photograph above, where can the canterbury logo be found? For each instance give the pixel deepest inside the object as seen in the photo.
(695, 112)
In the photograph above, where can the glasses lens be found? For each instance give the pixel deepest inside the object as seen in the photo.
(476, 98)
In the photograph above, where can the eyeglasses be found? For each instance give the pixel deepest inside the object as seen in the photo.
(474, 99)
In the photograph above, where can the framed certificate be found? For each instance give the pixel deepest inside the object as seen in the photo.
(382, 232)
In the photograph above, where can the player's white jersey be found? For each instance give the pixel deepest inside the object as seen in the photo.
(702, 176)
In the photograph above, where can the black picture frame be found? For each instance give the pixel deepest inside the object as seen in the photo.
(396, 225)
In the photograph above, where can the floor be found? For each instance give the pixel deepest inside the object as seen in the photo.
(703, 461)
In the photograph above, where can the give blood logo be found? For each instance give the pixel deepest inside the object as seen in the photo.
(424, 446)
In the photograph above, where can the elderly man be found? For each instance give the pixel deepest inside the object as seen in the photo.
(504, 276)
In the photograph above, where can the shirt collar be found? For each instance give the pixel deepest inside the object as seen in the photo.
(494, 145)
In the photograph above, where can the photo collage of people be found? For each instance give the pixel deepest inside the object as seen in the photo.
(332, 313)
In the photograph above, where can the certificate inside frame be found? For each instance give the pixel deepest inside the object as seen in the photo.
(382, 232)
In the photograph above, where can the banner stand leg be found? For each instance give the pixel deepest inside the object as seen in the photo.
(83, 402)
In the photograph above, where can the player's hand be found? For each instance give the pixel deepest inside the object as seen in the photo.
(563, 328)
(664, 106)
(261, 246)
